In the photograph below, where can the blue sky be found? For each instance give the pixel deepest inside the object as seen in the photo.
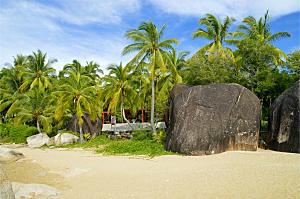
(94, 29)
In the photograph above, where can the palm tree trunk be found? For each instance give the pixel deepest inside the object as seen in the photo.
(38, 126)
(152, 105)
(123, 112)
(81, 134)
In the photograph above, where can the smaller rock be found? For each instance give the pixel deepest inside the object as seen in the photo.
(9, 155)
(65, 138)
(5, 187)
(37, 140)
(40, 191)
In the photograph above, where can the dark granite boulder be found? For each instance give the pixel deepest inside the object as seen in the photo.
(212, 119)
(284, 123)
(89, 126)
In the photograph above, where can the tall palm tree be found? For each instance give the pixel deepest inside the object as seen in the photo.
(92, 69)
(150, 48)
(176, 63)
(259, 29)
(217, 32)
(38, 71)
(10, 82)
(118, 88)
(33, 108)
(77, 94)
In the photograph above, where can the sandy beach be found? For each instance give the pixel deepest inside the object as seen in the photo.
(79, 174)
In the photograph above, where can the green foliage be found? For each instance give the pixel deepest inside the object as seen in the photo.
(264, 125)
(31, 93)
(130, 147)
(141, 135)
(141, 144)
(160, 136)
(293, 63)
(86, 136)
(16, 134)
(203, 71)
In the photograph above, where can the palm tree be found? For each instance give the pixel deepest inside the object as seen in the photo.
(77, 95)
(217, 32)
(147, 41)
(91, 69)
(10, 82)
(33, 108)
(118, 87)
(176, 63)
(259, 29)
(37, 73)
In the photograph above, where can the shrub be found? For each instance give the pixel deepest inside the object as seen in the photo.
(160, 136)
(141, 135)
(16, 134)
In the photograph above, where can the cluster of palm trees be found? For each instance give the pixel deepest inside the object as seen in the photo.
(32, 93)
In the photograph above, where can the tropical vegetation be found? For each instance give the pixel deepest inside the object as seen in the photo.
(32, 93)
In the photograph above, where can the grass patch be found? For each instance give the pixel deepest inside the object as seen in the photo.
(141, 145)
(16, 133)
(131, 147)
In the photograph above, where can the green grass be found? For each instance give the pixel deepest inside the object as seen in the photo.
(134, 146)
(10, 133)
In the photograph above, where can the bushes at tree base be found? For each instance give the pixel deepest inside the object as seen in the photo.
(16, 133)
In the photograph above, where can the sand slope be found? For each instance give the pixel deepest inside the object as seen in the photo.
(84, 175)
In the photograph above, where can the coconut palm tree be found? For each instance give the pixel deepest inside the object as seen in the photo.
(92, 69)
(38, 71)
(259, 29)
(77, 95)
(33, 108)
(176, 63)
(10, 82)
(217, 32)
(118, 88)
(150, 48)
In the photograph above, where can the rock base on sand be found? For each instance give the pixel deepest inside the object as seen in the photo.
(212, 119)
(284, 121)
(37, 140)
(65, 138)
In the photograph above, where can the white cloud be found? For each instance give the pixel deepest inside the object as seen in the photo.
(234, 8)
(60, 29)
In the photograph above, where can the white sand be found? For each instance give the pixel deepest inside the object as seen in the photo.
(85, 175)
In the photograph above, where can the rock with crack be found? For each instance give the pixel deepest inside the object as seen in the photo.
(30, 191)
(37, 140)
(212, 119)
(9, 155)
(284, 122)
(6, 191)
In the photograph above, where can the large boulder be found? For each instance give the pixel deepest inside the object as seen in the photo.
(37, 140)
(212, 119)
(9, 155)
(6, 191)
(65, 138)
(284, 123)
